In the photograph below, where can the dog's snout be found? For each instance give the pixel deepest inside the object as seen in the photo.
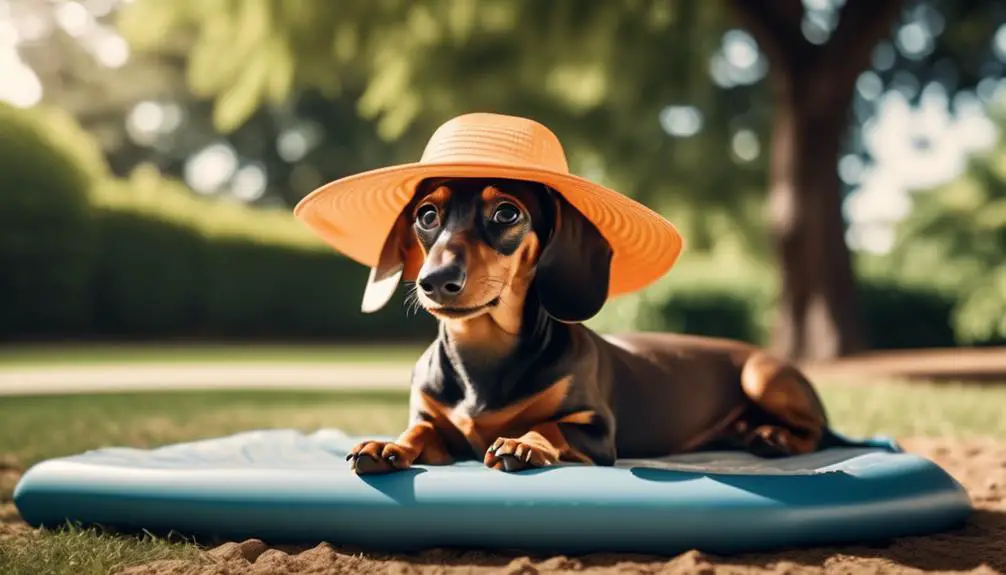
(443, 283)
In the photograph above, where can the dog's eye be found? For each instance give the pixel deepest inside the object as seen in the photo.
(506, 214)
(427, 217)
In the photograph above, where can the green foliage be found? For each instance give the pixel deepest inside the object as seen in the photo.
(955, 238)
(147, 277)
(717, 293)
(175, 264)
(598, 73)
(82, 253)
(727, 294)
(47, 167)
(899, 315)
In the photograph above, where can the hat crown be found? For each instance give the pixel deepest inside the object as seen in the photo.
(497, 139)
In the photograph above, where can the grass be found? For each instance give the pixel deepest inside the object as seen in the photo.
(36, 428)
(917, 410)
(40, 427)
(22, 355)
(73, 550)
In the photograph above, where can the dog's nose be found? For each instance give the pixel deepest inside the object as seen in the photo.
(444, 283)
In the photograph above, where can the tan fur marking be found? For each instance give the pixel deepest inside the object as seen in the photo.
(580, 417)
(421, 442)
(520, 265)
(491, 193)
(424, 444)
(497, 330)
(494, 332)
(542, 446)
(438, 197)
(550, 437)
(515, 419)
(777, 387)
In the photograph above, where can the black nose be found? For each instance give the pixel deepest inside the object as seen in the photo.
(444, 283)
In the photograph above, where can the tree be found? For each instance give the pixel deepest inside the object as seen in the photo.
(139, 108)
(409, 66)
(604, 76)
(813, 87)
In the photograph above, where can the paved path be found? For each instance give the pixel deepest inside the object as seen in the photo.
(963, 364)
(953, 364)
(93, 378)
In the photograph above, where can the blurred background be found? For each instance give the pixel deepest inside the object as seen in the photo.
(837, 167)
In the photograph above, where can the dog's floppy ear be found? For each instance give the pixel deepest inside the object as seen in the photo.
(387, 274)
(573, 270)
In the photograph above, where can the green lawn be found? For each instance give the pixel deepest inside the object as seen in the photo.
(35, 428)
(20, 355)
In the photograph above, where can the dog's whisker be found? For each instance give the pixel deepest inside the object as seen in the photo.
(411, 303)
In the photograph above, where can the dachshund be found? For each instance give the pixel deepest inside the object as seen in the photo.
(511, 270)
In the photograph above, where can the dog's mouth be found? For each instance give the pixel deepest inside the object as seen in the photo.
(453, 312)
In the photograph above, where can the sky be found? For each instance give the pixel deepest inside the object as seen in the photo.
(913, 146)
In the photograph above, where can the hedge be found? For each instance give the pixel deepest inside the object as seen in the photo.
(46, 233)
(728, 297)
(171, 264)
(83, 254)
(160, 279)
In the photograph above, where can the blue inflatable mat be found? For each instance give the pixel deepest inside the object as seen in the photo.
(284, 486)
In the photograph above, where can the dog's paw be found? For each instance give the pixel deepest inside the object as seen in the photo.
(378, 457)
(513, 455)
(774, 441)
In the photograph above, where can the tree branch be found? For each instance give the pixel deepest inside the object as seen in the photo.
(776, 26)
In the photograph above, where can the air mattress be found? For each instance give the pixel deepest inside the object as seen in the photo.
(286, 486)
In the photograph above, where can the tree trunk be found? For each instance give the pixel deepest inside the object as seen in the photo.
(817, 316)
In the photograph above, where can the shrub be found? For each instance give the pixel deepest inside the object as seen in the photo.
(147, 276)
(714, 313)
(259, 290)
(721, 295)
(900, 315)
(173, 264)
(82, 253)
(46, 228)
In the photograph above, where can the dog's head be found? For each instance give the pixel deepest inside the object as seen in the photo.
(489, 243)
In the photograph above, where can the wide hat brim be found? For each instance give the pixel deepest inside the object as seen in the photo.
(355, 214)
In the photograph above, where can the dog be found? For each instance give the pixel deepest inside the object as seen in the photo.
(511, 270)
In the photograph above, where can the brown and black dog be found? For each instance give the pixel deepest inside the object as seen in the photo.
(510, 270)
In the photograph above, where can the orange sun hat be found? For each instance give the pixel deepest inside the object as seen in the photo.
(355, 214)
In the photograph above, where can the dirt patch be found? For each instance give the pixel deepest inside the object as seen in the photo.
(10, 473)
(11, 524)
(951, 364)
(979, 547)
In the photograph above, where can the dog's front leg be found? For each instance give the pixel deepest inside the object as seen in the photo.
(577, 438)
(420, 443)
